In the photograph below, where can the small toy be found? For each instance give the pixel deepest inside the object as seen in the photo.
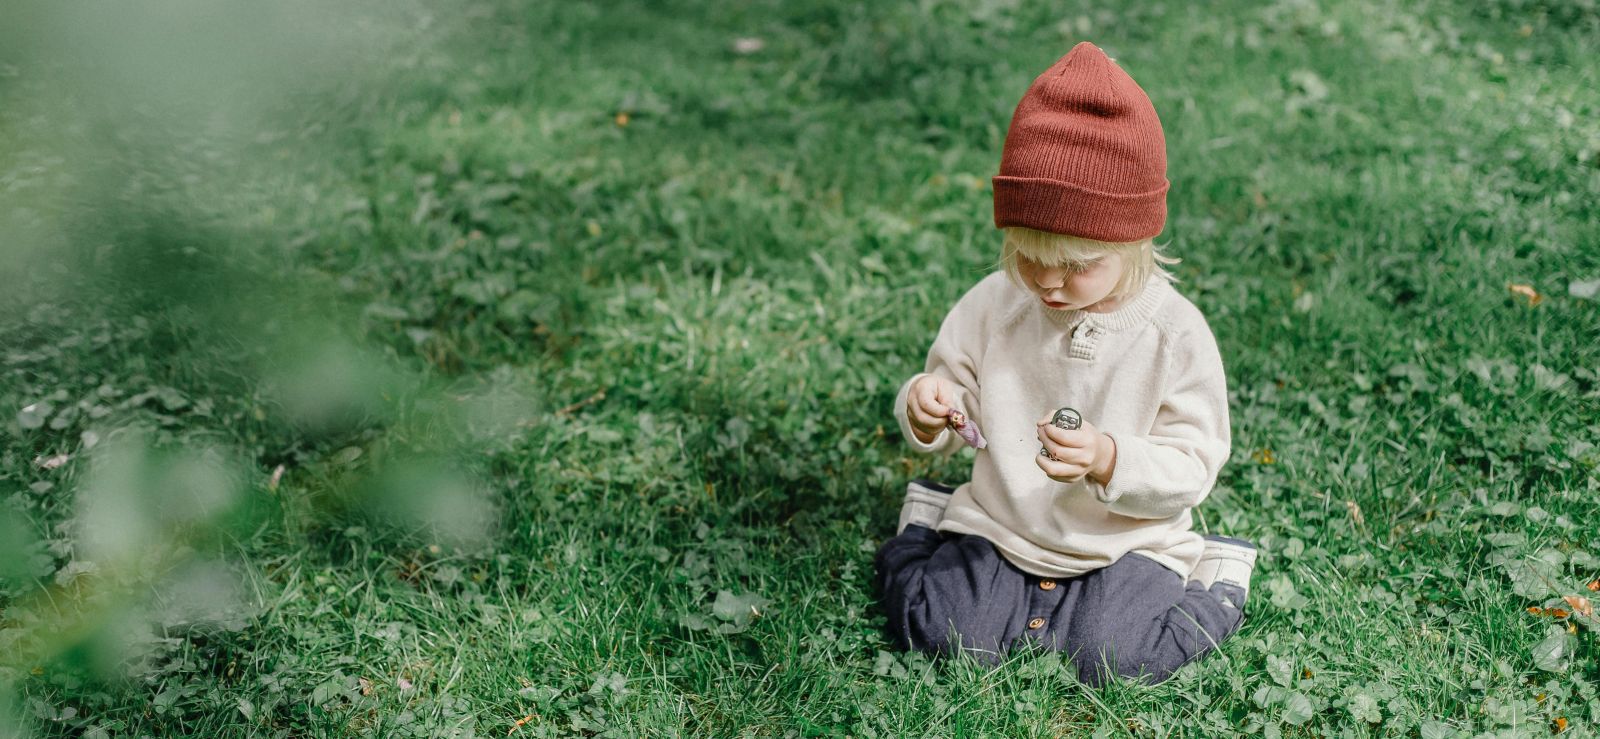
(967, 430)
(1065, 418)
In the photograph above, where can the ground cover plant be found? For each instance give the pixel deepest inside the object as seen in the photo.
(499, 369)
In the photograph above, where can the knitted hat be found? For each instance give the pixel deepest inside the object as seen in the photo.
(1085, 155)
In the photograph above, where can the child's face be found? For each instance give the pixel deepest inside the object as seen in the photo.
(1076, 285)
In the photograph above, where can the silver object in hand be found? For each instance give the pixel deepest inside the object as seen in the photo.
(1065, 418)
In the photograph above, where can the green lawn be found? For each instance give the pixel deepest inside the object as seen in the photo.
(485, 368)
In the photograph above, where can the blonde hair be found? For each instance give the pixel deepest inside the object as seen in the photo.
(1140, 259)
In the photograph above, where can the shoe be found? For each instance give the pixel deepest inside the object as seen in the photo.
(1229, 562)
(924, 504)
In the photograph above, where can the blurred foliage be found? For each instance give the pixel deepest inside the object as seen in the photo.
(403, 369)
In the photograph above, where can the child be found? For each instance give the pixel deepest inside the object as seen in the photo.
(1075, 540)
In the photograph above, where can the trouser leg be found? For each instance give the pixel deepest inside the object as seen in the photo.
(1139, 618)
(948, 593)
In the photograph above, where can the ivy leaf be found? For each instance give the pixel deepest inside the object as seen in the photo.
(1297, 708)
(737, 610)
(1432, 729)
(1281, 670)
(694, 622)
(34, 416)
(1504, 508)
(1364, 708)
(1551, 654)
(1283, 594)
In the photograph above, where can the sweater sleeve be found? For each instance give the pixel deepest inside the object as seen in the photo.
(1174, 466)
(956, 355)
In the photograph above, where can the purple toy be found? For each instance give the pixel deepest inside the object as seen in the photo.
(967, 430)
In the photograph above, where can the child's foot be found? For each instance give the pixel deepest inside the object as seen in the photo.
(1225, 567)
(924, 505)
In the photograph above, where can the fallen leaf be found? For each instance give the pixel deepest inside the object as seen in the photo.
(622, 120)
(1355, 512)
(277, 474)
(1560, 724)
(1526, 291)
(54, 462)
(1593, 585)
(1585, 290)
(1580, 604)
(366, 685)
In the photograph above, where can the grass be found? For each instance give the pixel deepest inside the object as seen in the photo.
(480, 390)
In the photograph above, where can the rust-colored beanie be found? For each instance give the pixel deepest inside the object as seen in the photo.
(1085, 155)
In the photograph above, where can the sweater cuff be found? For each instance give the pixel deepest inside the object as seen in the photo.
(1120, 472)
(940, 440)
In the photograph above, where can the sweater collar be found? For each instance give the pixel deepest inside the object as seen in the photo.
(1131, 314)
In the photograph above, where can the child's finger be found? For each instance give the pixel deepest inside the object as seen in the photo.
(930, 416)
(926, 420)
(1077, 438)
(1061, 471)
(930, 397)
(1063, 453)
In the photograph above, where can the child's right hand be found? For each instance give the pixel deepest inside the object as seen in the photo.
(928, 406)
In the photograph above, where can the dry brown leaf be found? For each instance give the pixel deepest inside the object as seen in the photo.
(1593, 585)
(1551, 612)
(1580, 604)
(1526, 291)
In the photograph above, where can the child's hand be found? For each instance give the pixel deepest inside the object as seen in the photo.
(1077, 453)
(928, 406)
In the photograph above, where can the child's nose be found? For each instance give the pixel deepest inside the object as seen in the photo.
(1049, 278)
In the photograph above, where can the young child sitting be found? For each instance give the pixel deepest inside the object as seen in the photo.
(1076, 540)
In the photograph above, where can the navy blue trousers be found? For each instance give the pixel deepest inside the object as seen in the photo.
(952, 593)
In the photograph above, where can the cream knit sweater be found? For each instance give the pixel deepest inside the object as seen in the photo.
(1147, 374)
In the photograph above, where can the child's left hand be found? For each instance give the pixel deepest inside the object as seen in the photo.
(1074, 454)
